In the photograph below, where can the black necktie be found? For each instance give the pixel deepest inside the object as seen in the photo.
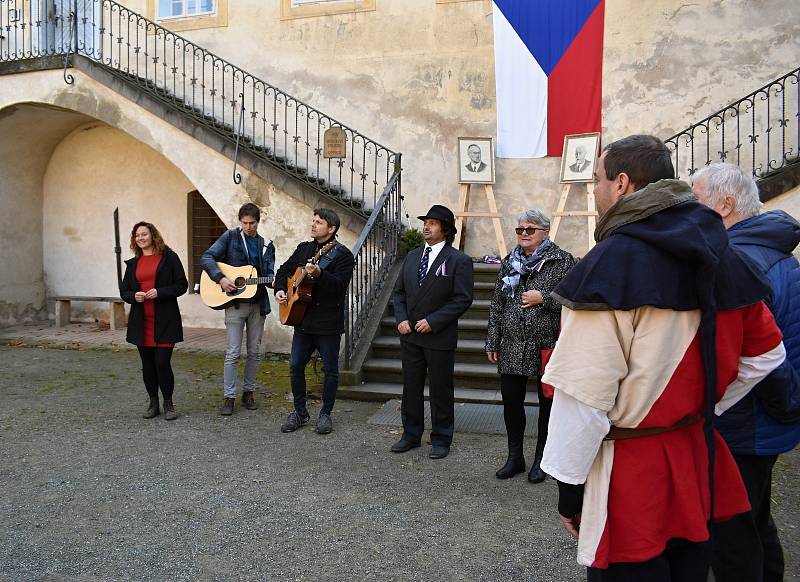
(423, 265)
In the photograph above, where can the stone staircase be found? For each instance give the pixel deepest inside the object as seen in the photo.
(476, 380)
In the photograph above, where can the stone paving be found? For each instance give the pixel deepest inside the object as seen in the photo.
(94, 335)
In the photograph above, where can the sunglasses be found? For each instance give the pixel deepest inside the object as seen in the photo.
(529, 230)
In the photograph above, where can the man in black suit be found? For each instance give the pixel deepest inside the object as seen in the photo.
(433, 291)
(475, 164)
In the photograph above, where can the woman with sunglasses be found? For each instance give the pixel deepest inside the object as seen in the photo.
(523, 321)
(154, 279)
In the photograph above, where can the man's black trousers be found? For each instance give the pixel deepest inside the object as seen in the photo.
(747, 548)
(437, 365)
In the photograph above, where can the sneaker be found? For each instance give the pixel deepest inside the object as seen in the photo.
(324, 424)
(295, 421)
(227, 408)
(248, 402)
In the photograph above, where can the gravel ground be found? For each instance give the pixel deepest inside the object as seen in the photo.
(91, 491)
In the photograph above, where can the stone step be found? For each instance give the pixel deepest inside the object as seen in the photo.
(485, 273)
(387, 391)
(479, 309)
(469, 351)
(483, 289)
(386, 370)
(467, 328)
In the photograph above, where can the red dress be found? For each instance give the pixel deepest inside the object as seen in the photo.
(146, 268)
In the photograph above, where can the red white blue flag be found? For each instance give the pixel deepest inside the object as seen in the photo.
(549, 70)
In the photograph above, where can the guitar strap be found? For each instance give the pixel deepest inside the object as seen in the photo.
(258, 259)
(328, 257)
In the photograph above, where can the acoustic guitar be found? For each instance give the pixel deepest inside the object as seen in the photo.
(298, 294)
(243, 277)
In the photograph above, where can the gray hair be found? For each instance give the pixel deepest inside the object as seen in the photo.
(723, 180)
(535, 216)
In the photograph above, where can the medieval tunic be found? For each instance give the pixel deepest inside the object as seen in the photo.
(630, 355)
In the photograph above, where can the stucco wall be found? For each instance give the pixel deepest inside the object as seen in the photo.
(415, 75)
(29, 135)
(92, 171)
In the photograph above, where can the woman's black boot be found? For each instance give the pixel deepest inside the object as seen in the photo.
(536, 474)
(515, 463)
(152, 409)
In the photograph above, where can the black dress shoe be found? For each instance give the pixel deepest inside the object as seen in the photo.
(403, 446)
(439, 452)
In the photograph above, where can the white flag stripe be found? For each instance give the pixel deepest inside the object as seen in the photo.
(521, 95)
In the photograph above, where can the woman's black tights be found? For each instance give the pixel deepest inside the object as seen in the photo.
(512, 388)
(157, 371)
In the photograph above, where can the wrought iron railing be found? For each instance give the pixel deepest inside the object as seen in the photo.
(760, 132)
(277, 127)
(252, 114)
(375, 252)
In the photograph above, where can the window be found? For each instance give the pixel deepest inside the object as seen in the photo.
(178, 15)
(204, 228)
(184, 8)
(305, 8)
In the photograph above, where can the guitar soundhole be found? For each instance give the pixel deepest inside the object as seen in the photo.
(240, 284)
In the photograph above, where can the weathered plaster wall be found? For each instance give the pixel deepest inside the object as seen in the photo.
(415, 75)
(92, 171)
(29, 135)
(670, 63)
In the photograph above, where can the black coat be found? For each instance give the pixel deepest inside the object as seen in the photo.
(441, 299)
(171, 283)
(519, 334)
(325, 313)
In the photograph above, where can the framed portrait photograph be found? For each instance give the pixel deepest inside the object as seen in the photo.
(579, 157)
(475, 160)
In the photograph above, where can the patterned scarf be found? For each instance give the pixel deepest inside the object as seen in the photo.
(522, 265)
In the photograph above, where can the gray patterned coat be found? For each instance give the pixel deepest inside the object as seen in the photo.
(518, 334)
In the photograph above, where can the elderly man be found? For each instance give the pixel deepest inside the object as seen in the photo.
(766, 422)
(661, 321)
(475, 164)
(581, 163)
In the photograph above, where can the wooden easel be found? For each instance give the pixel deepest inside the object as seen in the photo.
(590, 213)
(463, 207)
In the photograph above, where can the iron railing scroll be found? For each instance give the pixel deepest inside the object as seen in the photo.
(376, 250)
(280, 129)
(759, 132)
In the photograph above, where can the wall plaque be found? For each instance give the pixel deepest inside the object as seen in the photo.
(335, 143)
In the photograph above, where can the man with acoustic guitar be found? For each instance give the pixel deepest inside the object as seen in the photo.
(329, 268)
(239, 247)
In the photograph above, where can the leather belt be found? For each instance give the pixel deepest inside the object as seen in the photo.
(618, 433)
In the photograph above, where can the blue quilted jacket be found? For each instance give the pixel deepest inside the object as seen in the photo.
(767, 421)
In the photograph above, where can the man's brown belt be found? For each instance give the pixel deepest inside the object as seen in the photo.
(618, 433)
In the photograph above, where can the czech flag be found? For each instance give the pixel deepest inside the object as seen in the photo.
(549, 71)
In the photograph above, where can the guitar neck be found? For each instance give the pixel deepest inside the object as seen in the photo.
(259, 281)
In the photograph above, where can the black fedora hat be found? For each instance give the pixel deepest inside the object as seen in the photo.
(442, 214)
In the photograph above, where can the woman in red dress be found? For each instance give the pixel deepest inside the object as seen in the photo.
(154, 279)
